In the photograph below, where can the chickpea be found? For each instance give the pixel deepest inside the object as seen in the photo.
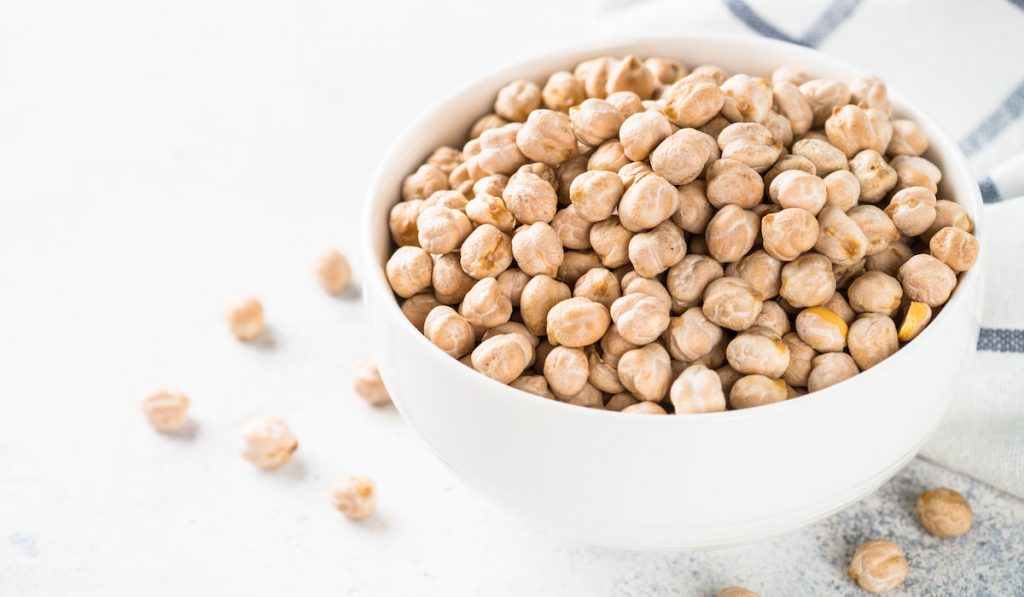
(756, 390)
(773, 317)
(632, 172)
(850, 130)
(762, 271)
(747, 99)
(731, 182)
(368, 385)
(534, 384)
(876, 177)
(492, 184)
(875, 292)
(485, 305)
(485, 208)
(577, 322)
(779, 127)
(823, 95)
(608, 157)
(750, 143)
(872, 339)
(245, 317)
(796, 188)
(450, 282)
(695, 211)
(502, 358)
(731, 233)
(566, 173)
(948, 213)
(728, 377)
(626, 102)
(955, 247)
(621, 401)
(693, 101)
(603, 375)
(402, 223)
(840, 238)
(845, 274)
(682, 156)
(758, 351)
(785, 163)
(530, 198)
(595, 194)
(907, 139)
(537, 249)
(445, 158)
(575, 264)
(691, 335)
(879, 566)
(166, 411)
(789, 75)
(699, 245)
(793, 105)
(915, 171)
(424, 182)
(826, 158)
(645, 408)
(711, 71)
(417, 307)
(878, 229)
(789, 233)
(652, 287)
(697, 390)
(562, 91)
(665, 70)
(829, 369)
(649, 202)
(539, 295)
(566, 370)
(944, 512)
(610, 240)
(589, 397)
(512, 282)
(889, 260)
(595, 121)
(629, 74)
(449, 331)
(657, 250)
(486, 252)
(872, 92)
(800, 356)
(912, 210)
(843, 190)
(731, 303)
(547, 137)
(355, 497)
(926, 279)
(646, 372)
(822, 329)
(572, 229)
(808, 281)
(488, 121)
(517, 100)
(640, 318)
(594, 75)
(642, 132)
(499, 153)
(268, 442)
(687, 279)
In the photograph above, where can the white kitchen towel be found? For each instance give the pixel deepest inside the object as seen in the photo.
(961, 63)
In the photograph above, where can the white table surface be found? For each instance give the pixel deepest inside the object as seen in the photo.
(158, 159)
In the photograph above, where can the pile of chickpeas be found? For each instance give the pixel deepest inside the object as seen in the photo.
(639, 237)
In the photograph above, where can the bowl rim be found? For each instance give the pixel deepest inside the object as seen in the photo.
(373, 270)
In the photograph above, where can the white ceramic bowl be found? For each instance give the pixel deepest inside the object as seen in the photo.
(669, 482)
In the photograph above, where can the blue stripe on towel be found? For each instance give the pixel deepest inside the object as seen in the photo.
(834, 15)
(996, 122)
(1001, 340)
(1018, 3)
(989, 191)
(743, 12)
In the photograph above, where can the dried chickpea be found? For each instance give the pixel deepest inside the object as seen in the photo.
(575, 264)
(442, 229)
(534, 384)
(499, 153)
(417, 307)
(486, 252)
(626, 102)
(926, 279)
(944, 512)
(875, 292)
(503, 358)
(665, 70)
(647, 203)
(645, 408)
(589, 397)
(646, 372)
(595, 121)
(872, 92)
(879, 566)
(691, 335)
(789, 75)
(789, 233)
(577, 322)
(547, 137)
(566, 370)
(878, 229)
(595, 194)
(449, 331)
(915, 171)
(621, 401)
(747, 99)
(565, 173)
(268, 442)
(785, 163)
(793, 105)
(695, 211)
(890, 259)
(731, 182)
(632, 283)
(697, 390)
(629, 74)
(245, 315)
(333, 271)
(517, 100)
(687, 279)
(955, 247)
(640, 318)
(845, 274)
(736, 592)
(682, 156)
(756, 390)
(445, 158)
(609, 157)
(907, 139)
(402, 223)
(539, 295)
(657, 250)
(829, 369)
(773, 317)
(876, 177)
(948, 213)
(822, 329)
(796, 188)
(826, 159)
(808, 281)
(537, 249)
(731, 233)
(758, 351)
(693, 100)
(485, 208)
(603, 375)
(642, 132)
(530, 198)
(762, 271)
(166, 411)
(572, 229)
(512, 282)
(843, 190)
(800, 356)
(355, 497)
(780, 128)
(610, 240)
(850, 130)
(840, 238)
(711, 71)
(872, 339)
(492, 184)
(450, 281)
(731, 303)
(594, 75)
(823, 95)
(633, 172)
(485, 305)
(912, 210)
(563, 91)
(424, 182)
(750, 143)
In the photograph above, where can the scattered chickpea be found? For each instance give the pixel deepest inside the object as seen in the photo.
(333, 271)
(944, 512)
(829, 369)
(355, 497)
(368, 385)
(879, 566)
(646, 372)
(268, 442)
(927, 280)
(245, 315)
(756, 390)
(166, 411)
(736, 592)
(503, 357)
(955, 247)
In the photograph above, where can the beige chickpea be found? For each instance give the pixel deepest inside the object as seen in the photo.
(512, 282)
(575, 264)
(840, 238)
(839, 305)
(916, 171)
(747, 99)
(621, 401)
(843, 189)
(850, 130)
(823, 95)
(610, 240)
(695, 210)
(589, 397)
(796, 188)
(731, 233)
(756, 390)
(572, 229)
(490, 209)
(711, 71)
(486, 252)
(646, 372)
(534, 384)
(633, 283)
(731, 182)
(845, 274)
(547, 137)
(691, 335)
(687, 279)
(876, 177)
(758, 351)
(503, 357)
(793, 105)
(872, 339)
(731, 303)
(402, 223)
(268, 442)
(875, 292)
(716, 358)
(826, 158)
(355, 497)
(485, 305)
(447, 159)
(450, 281)
(603, 375)
(872, 92)
(762, 271)
(562, 91)
(907, 138)
(682, 156)
(566, 173)
(666, 71)
(333, 271)
(166, 411)
(595, 194)
(640, 318)
(614, 345)
(626, 102)
(595, 121)
(608, 157)
(492, 184)
(822, 329)
(878, 228)
(417, 307)
(800, 356)
(728, 377)
(449, 331)
(629, 74)
(512, 327)
(409, 271)
(245, 315)
(830, 368)
(912, 210)
(948, 213)
(883, 129)
(539, 295)
(649, 202)
(449, 199)
(642, 132)
(537, 249)
(499, 153)
(786, 163)
(750, 143)
(516, 100)
(488, 121)
(890, 259)
(789, 74)
(594, 75)
(780, 128)
(693, 100)
(944, 512)
(773, 317)
(577, 322)
(645, 408)
(697, 390)
(424, 182)
(808, 281)
(955, 247)
(657, 250)
(927, 280)
(789, 233)
(530, 198)
(566, 370)
(879, 566)
(632, 172)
